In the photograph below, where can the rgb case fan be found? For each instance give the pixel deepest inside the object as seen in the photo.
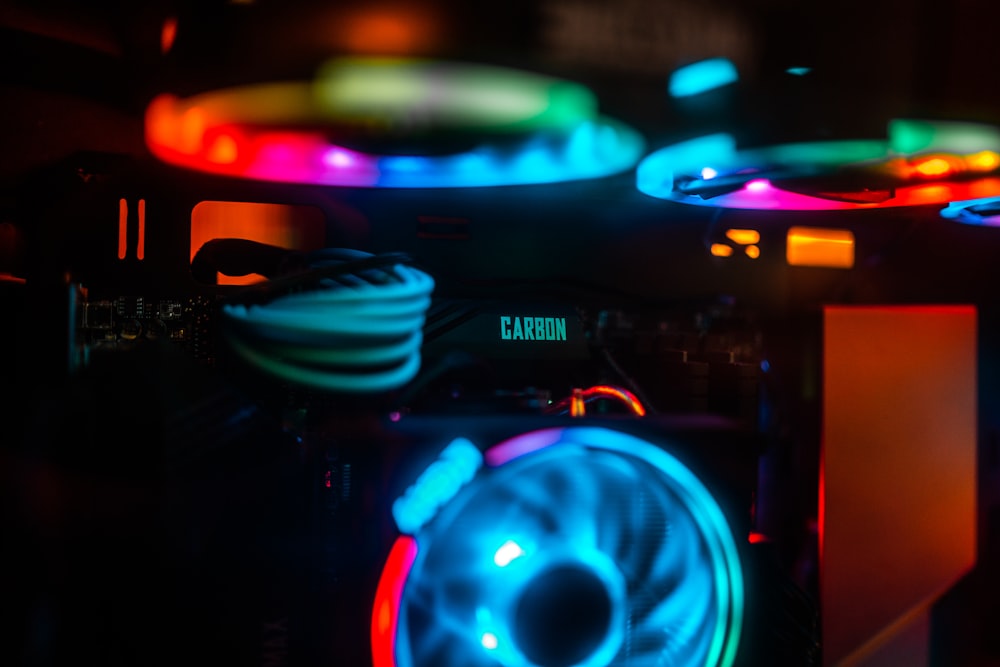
(581, 546)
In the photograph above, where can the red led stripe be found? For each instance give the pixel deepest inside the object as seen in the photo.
(122, 228)
(388, 596)
(140, 252)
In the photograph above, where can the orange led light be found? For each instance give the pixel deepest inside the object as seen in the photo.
(296, 227)
(983, 161)
(224, 150)
(752, 251)
(577, 407)
(626, 397)
(743, 236)
(817, 246)
(721, 250)
(935, 166)
(389, 32)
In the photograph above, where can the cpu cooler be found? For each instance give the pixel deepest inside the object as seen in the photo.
(571, 546)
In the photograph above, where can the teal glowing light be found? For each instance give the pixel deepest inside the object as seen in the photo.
(362, 338)
(438, 484)
(798, 71)
(624, 539)
(702, 76)
(908, 136)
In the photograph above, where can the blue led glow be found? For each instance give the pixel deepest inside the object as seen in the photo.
(702, 76)
(626, 513)
(984, 211)
(712, 156)
(655, 174)
(438, 484)
(798, 71)
(593, 149)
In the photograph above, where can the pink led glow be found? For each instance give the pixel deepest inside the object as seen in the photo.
(521, 445)
(770, 197)
(190, 138)
(758, 185)
(336, 157)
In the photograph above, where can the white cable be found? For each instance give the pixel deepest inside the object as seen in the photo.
(356, 332)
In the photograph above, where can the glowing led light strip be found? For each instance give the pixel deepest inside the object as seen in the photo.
(625, 396)
(140, 249)
(915, 153)
(122, 228)
(580, 397)
(269, 131)
(385, 611)
(519, 446)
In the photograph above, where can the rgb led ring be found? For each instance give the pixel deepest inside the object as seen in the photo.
(925, 162)
(275, 132)
(559, 511)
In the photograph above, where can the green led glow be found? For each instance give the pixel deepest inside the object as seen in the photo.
(908, 137)
(819, 153)
(411, 94)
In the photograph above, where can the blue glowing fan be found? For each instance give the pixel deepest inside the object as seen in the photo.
(575, 547)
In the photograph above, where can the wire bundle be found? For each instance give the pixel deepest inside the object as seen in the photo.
(357, 328)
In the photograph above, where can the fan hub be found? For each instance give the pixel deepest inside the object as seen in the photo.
(562, 616)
